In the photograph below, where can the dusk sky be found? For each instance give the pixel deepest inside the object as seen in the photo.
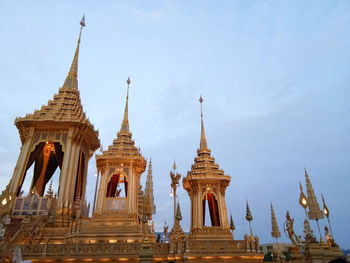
(274, 76)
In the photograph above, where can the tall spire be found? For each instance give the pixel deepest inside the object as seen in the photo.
(125, 124)
(275, 232)
(71, 79)
(203, 142)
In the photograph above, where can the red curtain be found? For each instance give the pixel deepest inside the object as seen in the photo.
(214, 210)
(112, 186)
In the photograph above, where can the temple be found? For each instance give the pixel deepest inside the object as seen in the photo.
(43, 225)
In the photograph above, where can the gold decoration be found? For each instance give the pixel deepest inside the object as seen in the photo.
(315, 212)
(275, 230)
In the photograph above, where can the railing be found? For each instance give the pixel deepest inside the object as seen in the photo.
(84, 250)
(32, 204)
(160, 249)
(217, 247)
(115, 203)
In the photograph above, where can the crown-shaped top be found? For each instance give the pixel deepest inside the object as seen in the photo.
(123, 146)
(204, 165)
(66, 105)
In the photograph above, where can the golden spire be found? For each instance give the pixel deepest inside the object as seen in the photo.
(275, 230)
(149, 199)
(125, 124)
(203, 142)
(71, 79)
(315, 212)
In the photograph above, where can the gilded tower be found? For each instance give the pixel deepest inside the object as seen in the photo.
(120, 168)
(58, 136)
(206, 185)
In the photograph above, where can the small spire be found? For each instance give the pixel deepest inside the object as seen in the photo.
(315, 212)
(148, 195)
(125, 124)
(275, 232)
(203, 142)
(71, 79)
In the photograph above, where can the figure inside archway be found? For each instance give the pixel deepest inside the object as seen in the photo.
(114, 188)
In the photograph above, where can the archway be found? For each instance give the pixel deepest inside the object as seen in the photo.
(213, 209)
(46, 157)
(115, 186)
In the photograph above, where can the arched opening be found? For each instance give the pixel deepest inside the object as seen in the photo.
(116, 194)
(117, 186)
(213, 209)
(46, 157)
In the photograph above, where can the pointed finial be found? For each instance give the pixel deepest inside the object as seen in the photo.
(125, 124)
(71, 79)
(174, 166)
(150, 164)
(203, 141)
(73, 72)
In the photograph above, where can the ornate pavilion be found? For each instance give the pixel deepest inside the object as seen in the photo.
(59, 227)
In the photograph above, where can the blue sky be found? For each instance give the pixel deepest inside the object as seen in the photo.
(274, 76)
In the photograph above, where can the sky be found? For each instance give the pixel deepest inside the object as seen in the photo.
(274, 76)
